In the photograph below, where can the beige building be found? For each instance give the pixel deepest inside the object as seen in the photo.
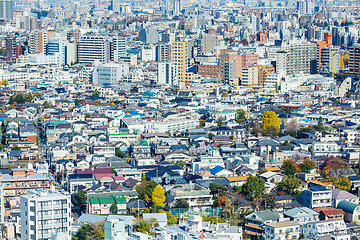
(180, 57)
(38, 41)
(250, 76)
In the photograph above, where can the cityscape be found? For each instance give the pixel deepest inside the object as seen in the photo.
(179, 120)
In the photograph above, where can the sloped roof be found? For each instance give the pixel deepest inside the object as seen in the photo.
(342, 195)
(300, 212)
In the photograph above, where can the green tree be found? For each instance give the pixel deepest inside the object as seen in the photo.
(289, 185)
(342, 183)
(83, 231)
(220, 123)
(80, 199)
(254, 187)
(320, 125)
(145, 188)
(95, 94)
(15, 148)
(270, 123)
(158, 196)
(240, 115)
(119, 153)
(113, 208)
(97, 232)
(216, 188)
(307, 165)
(181, 203)
(289, 167)
(145, 226)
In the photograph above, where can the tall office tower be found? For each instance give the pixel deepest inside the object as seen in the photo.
(163, 52)
(44, 214)
(177, 7)
(354, 59)
(117, 48)
(93, 47)
(305, 7)
(167, 73)
(255, 24)
(38, 41)
(58, 46)
(109, 74)
(115, 6)
(320, 45)
(148, 35)
(330, 61)
(6, 9)
(297, 58)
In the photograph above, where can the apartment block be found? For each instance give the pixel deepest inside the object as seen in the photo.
(92, 48)
(45, 214)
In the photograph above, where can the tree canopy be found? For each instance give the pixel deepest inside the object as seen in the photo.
(80, 200)
(158, 196)
(289, 185)
(253, 188)
(145, 188)
(240, 115)
(270, 123)
(307, 165)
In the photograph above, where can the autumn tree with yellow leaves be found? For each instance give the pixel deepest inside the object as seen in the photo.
(158, 196)
(270, 124)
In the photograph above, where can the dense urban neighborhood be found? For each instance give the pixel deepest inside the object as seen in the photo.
(179, 120)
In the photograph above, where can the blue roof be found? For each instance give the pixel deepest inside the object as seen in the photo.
(216, 169)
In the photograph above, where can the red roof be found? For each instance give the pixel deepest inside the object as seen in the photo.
(93, 171)
(101, 175)
(119, 178)
(329, 210)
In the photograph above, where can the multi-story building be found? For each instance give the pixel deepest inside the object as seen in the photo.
(12, 50)
(18, 183)
(167, 73)
(180, 57)
(250, 76)
(315, 197)
(264, 72)
(117, 48)
(163, 52)
(297, 58)
(194, 194)
(114, 228)
(93, 47)
(333, 228)
(320, 45)
(354, 59)
(109, 74)
(45, 214)
(6, 9)
(212, 43)
(58, 46)
(38, 41)
(329, 61)
(281, 230)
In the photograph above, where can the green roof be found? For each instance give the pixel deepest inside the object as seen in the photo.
(106, 200)
(347, 206)
(93, 200)
(120, 199)
(115, 199)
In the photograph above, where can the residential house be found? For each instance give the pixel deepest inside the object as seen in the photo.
(254, 222)
(195, 194)
(281, 230)
(161, 218)
(302, 215)
(315, 197)
(339, 195)
(235, 182)
(330, 213)
(332, 228)
(101, 205)
(272, 177)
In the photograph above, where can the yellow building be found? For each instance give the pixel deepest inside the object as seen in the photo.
(179, 56)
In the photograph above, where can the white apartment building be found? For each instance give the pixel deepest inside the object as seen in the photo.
(334, 228)
(281, 230)
(44, 213)
(92, 47)
(109, 74)
(167, 73)
(250, 76)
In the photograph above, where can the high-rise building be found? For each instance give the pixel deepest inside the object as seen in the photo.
(330, 61)
(305, 7)
(93, 47)
(117, 48)
(38, 41)
(44, 214)
(297, 58)
(115, 6)
(180, 57)
(163, 52)
(264, 72)
(148, 35)
(212, 43)
(109, 74)
(58, 46)
(167, 73)
(320, 45)
(177, 8)
(11, 49)
(354, 59)
(6, 9)
(250, 76)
